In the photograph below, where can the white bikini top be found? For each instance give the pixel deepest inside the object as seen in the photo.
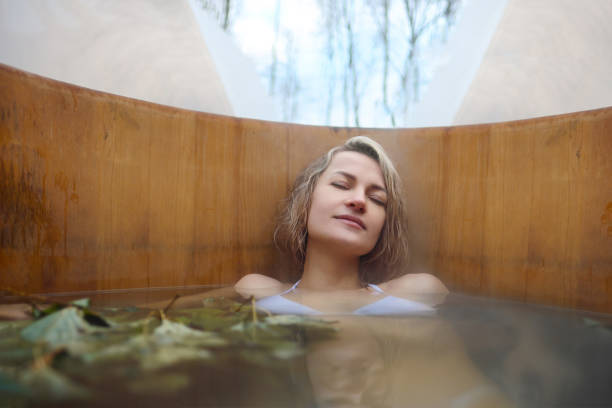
(389, 305)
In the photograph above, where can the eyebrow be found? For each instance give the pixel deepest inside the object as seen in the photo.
(353, 178)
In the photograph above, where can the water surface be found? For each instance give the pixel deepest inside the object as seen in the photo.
(472, 352)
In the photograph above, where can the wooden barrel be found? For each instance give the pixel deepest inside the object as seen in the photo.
(101, 192)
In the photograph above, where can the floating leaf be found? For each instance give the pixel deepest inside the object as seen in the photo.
(168, 343)
(124, 314)
(130, 348)
(285, 327)
(222, 303)
(127, 324)
(208, 318)
(38, 313)
(84, 303)
(149, 353)
(94, 319)
(54, 307)
(169, 332)
(59, 328)
(121, 344)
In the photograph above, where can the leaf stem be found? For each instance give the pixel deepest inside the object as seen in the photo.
(254, 309)
(171, 303)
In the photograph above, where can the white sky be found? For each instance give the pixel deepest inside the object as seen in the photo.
(255, 33)
(253, 29)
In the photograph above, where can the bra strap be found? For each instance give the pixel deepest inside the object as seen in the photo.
(376, 288)
(291, 289)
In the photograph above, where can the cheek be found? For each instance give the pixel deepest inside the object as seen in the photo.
(380, 222)
(313, 217)
(317, 209)
(376, 232)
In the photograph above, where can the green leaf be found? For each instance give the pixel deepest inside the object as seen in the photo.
(222, 303)
(209, 319)
(169, 343)
(94, 319)
(59, 328)
(120, 344)
(37, 313)
(84, 303)
(169, 332)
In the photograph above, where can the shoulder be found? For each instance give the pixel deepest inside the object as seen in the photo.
(257, 281)
(415, 283)
(255, 284)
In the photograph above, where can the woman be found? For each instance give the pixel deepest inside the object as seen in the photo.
(344, 226)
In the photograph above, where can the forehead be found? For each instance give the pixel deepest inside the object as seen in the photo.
(357, 164)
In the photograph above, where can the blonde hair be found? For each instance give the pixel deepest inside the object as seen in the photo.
(391, 249)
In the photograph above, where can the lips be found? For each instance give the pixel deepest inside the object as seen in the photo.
(351, 218)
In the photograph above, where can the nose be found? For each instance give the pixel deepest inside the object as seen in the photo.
(356, 203)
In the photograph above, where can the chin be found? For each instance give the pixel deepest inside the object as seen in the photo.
(353, 247)
(346, 242)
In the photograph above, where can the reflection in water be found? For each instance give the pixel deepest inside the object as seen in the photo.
(348, 371)
(397, 362)
(538, 356)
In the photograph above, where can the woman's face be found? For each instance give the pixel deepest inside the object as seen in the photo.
(348, 204)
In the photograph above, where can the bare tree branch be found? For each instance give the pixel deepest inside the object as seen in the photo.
(274, 63)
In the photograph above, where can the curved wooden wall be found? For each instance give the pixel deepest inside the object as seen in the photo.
(103, 192)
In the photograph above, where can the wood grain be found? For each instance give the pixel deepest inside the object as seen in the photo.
(103, 192)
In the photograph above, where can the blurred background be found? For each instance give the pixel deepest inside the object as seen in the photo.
(363, 63)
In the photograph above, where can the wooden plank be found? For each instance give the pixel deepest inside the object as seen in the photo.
(103, 192)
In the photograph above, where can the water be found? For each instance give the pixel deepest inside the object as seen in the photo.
(537, 356)
(473, 352)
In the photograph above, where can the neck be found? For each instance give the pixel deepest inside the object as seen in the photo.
(326, 270)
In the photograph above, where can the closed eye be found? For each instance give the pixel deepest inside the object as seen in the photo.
(341, 186)
(378, 201)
